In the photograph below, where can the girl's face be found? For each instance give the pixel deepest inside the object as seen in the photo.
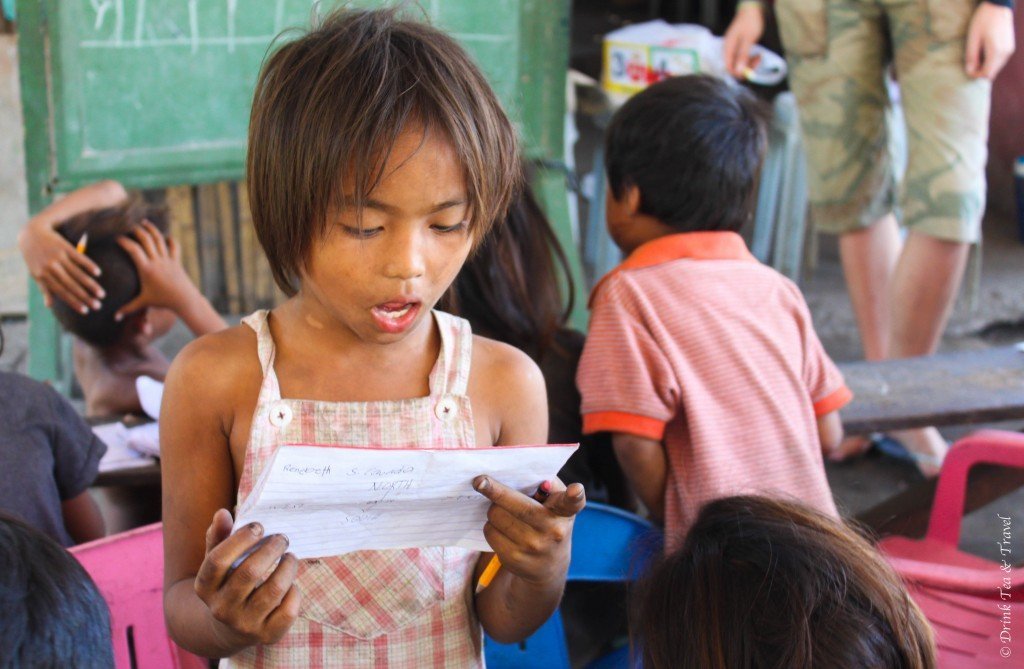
(380, 280)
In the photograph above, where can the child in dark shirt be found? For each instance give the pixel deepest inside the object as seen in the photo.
(48, 459)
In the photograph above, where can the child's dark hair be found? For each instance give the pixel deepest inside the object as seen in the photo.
(328, 109)
(693, 146)
(511, 288)
(119, 277)
(769, 583)
(53, 615)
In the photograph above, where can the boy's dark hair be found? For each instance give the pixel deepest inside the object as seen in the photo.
(119, 277)
(511, 288)
(328, 109)
(693, 146)
(52, 613)
(770, 583)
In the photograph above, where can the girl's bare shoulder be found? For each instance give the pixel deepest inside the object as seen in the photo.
(501, 369)
(218, 365)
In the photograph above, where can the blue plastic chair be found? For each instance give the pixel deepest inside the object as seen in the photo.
(608, 545)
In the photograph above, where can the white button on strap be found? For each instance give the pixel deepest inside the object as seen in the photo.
(445, 408)
(280, 415)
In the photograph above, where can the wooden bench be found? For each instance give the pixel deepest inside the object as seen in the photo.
(963, 388)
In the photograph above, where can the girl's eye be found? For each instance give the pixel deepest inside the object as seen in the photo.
(360, 233)
(461, 225)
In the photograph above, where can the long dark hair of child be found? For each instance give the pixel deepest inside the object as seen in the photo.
(53, 614)
(773, 584)
(511, 289)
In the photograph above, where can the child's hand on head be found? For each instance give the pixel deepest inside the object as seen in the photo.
(532, 539)
(59, 269)
(162, 277)
(254, 601)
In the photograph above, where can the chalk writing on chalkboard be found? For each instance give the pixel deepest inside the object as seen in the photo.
(148, 28)
(161, 30)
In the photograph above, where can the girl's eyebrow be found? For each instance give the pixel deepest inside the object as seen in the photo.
(370, 203)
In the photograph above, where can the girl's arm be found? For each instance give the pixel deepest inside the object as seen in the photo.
(531, 539)
(211, 608)
(53, 262)
(646, 469)
(165, 283)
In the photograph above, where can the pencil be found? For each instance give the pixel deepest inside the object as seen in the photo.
(543, 492)
(82, 242)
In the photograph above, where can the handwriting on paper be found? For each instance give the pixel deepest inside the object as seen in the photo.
(332, 500)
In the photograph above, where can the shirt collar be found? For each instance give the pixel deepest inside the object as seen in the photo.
(703, 245)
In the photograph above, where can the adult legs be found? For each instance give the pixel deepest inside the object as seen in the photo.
(869, 257)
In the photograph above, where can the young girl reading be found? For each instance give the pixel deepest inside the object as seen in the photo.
(378, 157)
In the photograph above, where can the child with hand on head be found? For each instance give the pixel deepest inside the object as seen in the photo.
(119, 286)
(761, 582)
(701, 362)
(378, 158)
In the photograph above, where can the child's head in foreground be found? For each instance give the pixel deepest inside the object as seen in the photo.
(53, 615)
(339, 120)
(683, 155)
(769, 583)
(119, 276)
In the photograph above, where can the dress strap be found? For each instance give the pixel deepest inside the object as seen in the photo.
(259, 322)
(456, 353)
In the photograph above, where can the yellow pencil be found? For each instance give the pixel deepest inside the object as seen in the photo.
(543, 491)
(489, 573)
(82, 242)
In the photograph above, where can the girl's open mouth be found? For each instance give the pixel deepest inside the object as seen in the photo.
(394, 317)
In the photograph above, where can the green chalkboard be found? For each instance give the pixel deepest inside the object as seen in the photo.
(157, 92)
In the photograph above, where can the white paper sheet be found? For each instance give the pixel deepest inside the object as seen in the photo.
(331, 500)
(118, 455)
(151, 394)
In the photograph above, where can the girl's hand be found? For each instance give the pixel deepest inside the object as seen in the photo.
(990, 41)
(161, 274)
(532, 539)
(59, 269)
(254, 602)
(744, 31)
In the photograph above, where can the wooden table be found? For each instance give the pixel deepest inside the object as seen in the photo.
(963, 388)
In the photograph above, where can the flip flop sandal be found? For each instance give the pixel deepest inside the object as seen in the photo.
(895, 449)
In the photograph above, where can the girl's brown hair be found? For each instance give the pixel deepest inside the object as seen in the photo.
(770, 583)
(328, 109)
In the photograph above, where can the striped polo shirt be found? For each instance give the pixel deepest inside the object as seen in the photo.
(695, 343)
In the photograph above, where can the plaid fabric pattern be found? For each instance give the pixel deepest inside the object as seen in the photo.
(403, 609)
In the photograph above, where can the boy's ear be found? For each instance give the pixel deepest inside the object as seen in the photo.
(631, 199)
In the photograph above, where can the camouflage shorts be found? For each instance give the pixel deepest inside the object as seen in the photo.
(838, 51)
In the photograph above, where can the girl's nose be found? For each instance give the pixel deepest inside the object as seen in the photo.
(405, 258)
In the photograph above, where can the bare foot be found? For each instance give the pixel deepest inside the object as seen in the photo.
(850, 447)
(926, 445)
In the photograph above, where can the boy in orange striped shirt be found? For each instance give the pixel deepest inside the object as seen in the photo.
(702, 362)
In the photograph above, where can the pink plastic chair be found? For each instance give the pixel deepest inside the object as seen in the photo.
(128, 569)
(936, 561)
(959, 593)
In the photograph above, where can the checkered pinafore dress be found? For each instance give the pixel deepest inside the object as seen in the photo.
(403, 609)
